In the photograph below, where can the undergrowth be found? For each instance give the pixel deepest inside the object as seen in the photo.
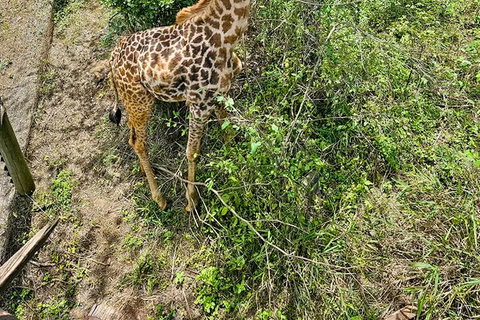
(351, 184)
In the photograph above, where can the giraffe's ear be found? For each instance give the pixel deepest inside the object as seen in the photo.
(115, 116)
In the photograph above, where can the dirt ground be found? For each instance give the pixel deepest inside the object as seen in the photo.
(67, 135)
(24, 27)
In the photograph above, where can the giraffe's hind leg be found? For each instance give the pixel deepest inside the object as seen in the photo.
(138, 116)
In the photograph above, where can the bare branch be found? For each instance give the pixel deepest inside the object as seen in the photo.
(250, 225)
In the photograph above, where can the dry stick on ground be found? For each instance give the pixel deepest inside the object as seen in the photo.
(250, 225)
(13, 266)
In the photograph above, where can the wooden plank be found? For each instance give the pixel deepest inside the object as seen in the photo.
(13, 156)
(104, 312)
(13, 266)
(6, 316)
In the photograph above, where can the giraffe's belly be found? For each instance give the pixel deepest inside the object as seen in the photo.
(163, 84)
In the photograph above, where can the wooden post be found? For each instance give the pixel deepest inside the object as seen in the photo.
(13, 265)
(13, 157)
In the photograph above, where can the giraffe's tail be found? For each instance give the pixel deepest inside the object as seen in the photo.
(100, 71)
(115, 114)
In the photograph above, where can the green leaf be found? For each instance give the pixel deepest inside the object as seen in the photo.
(254, 146)
(225, 124)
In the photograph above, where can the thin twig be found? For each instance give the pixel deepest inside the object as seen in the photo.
(269, 285)
(173, 264)
(280, 221)
(307, 90)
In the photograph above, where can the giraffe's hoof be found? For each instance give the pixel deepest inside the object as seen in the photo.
(162, 203)
(190, 208)
(192, 203)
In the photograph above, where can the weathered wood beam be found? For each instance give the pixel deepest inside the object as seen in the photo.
(6, 316)
(104, 312)
(13, 157)
(12, 267)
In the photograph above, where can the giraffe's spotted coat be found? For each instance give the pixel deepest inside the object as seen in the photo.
(191, 61)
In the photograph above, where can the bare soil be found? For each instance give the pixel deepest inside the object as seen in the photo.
(23, 28)
(71, 132)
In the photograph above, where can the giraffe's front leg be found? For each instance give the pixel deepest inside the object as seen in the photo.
(222, 115)
(195, 132)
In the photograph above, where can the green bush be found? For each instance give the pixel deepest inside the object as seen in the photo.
(144, 14)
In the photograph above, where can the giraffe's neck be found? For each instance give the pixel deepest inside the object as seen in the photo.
(229, 19)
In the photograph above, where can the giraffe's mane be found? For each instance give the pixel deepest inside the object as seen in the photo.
(193, 11)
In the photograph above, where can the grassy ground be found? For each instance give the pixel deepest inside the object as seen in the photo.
(350, 188)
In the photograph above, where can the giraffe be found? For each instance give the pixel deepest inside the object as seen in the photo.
(192, 61)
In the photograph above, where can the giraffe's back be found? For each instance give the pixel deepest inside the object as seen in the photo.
(149, 59)
(175, 63)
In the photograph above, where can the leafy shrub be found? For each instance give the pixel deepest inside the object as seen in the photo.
(144, 14)
(355, 155)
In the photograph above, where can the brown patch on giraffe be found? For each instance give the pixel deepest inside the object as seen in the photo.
(195, 69)
(165, 53)
(227, 4)
(241, 12)
(214, 77)
(216, 13)
(226, 26)
(195, 86)
(208, 32)
(231, 39)
(234, 37)
(196, 50)
(222, 53)
(208, 63)
(225, 82)
(227, 21)
(198, 39)
(214, 23)
(149, 73)
(238, 32)
(165, 77)
(212, 55)
(205, 74)
(154, 59)
(216, 40)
